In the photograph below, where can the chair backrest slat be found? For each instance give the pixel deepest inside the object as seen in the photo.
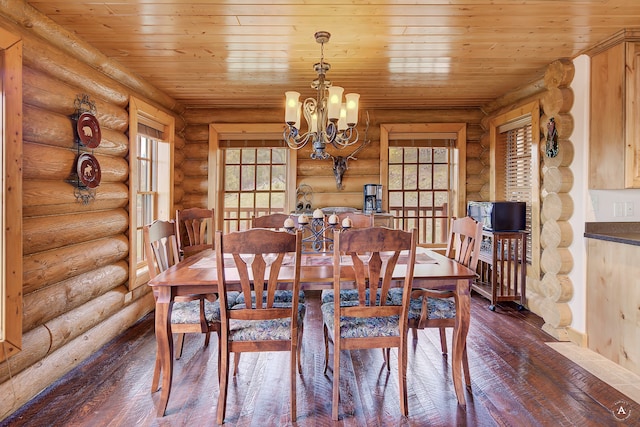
(160, 245)
(194, 230)
(275, 221)
(465, 235)
(373, 254)
(258, 255)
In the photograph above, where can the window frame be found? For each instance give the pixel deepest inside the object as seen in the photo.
(243, 131)
(141, 112)
(531, 109)
(456, 131)
(11, 175)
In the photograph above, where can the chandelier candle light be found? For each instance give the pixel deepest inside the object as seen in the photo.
(329, 120)
(315, 229)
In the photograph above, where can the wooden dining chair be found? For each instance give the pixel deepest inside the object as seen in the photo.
(437, 309)
(191, 314)
(358, 219)
(274, 221)
(255, 258)
(194, 230)
(368, 257)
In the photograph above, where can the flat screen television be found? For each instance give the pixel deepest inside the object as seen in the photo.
(499, 216)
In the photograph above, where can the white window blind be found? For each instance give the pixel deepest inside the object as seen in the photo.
(518, 173)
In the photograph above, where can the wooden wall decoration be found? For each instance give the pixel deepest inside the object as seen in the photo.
(87, 173)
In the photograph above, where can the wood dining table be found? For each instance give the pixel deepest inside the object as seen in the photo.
(197, 275)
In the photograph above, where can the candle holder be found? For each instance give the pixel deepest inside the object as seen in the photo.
(316, 232)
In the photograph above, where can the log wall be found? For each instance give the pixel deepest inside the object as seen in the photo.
(75, 256)
(319, 173)
(548, 295)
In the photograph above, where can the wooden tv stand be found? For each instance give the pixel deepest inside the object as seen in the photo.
(502, 267)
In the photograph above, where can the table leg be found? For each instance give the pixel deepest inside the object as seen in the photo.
(165, 345)
(460, 330)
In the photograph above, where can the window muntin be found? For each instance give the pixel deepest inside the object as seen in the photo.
(419, 187)
(254, 182)
(147, 194)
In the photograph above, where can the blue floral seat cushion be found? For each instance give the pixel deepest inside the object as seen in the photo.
(188, 312)
(281, 295)
(361, 327)
(263, 330)
(437, 308)
(345, 295)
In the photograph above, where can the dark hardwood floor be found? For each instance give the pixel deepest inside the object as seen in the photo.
(517, 380)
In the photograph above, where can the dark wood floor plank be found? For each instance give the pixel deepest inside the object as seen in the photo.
(517, 380)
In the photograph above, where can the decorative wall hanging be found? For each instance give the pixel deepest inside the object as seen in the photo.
(87, 174)
(551, 147)
(304, 194)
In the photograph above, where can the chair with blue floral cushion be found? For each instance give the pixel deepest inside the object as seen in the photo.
(258, 261)
(358, 220)
(367, 257)
(437, 309)
(190, 314)
(275, 221)
(194, 228)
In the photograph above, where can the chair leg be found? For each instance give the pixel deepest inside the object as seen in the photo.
(219, 352)
(207, 338)
(336, 381)
(402, 378)
(224, 381)
(293, 376)
(179, 346)
(326, 348)
(236, 363)
(443, 341)
(387, 358)
(414, 332)
(299, 349)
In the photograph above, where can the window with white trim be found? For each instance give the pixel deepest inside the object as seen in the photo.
(419, 189)
(151, 135)
(515, 142)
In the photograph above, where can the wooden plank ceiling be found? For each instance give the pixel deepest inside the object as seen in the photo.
(395, 53)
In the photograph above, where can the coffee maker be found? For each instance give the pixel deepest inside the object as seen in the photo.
(372, 198)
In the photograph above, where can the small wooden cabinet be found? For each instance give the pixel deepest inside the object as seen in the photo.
(614, 152)
(502, 267)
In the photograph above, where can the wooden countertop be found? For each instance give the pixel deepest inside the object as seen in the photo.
(618, 232)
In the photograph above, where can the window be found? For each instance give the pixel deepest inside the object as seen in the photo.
(255, 183)
(250, 172)
(153, 159)
(419, 188)
(514, 144)
(515, 173)
(151, 133)
(422, 166)
(10, 195)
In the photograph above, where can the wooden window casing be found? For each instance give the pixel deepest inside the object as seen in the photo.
(250, 136)
(11, 195)
(453, 137)
(524, 163)
(143, 118)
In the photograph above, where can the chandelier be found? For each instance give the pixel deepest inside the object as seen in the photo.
(329, 119)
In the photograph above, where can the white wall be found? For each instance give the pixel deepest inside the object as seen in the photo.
(579, 193)
(589, 205)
